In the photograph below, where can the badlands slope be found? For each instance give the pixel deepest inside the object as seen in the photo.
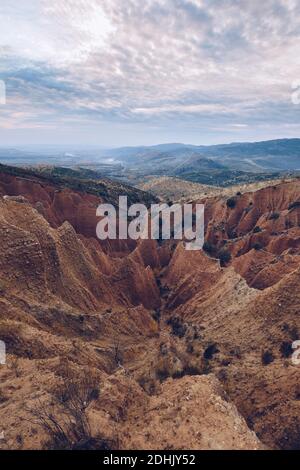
(175, 344)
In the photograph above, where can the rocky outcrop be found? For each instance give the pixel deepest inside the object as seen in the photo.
(260, 230)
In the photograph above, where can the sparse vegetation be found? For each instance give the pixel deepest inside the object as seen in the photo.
(156, 314)
(2, 287)
(164, 291)
(188, 370)
(294, 205)
(266, 358)
(83, 181)
(65, 420)
(286, 349)
(210, 351)
(163, 349)
(178, 327)
(3, 397)
(291, 330)
(232, 234)
(224, 256)
(231, 203)
(208, 247)
(162, 374)
(117, 353)
(257, 246)
(274, 216)
(14, 365)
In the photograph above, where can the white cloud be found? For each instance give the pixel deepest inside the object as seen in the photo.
(221, 60)
(55, 32)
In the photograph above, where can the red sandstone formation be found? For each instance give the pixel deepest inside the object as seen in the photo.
(183, 353)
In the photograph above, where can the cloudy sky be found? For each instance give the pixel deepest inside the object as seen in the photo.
(116, 72)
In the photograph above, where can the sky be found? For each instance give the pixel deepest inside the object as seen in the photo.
(142, 72)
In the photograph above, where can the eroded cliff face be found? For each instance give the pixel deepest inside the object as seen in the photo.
(174, 342)
(58, 203)
(260, 230)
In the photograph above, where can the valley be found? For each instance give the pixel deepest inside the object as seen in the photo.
(166, 349)
(223, 165)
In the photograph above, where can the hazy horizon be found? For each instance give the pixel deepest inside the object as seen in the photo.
(111, 147)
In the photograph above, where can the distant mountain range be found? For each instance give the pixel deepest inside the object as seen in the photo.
(220, 165)
(281, 154)
(177, 159)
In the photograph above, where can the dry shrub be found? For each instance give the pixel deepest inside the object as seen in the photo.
(14, 365)
(65, 420)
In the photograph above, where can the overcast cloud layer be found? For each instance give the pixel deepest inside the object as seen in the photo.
(116, 72)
